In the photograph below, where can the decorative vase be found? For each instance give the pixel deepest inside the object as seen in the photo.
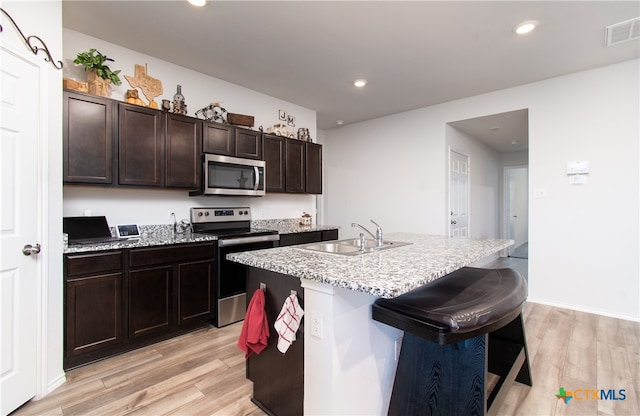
(179, 106)
(97, 85)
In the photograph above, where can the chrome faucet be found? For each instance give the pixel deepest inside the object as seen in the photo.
(378, 234)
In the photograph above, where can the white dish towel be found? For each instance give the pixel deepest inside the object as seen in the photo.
(288, 322)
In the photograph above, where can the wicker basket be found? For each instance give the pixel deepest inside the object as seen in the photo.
(240, 119)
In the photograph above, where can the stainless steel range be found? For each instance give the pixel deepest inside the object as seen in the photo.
(233, 228)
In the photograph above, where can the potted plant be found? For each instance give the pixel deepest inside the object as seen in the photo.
(99, 75)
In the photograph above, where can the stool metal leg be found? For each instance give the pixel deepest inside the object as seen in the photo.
(433, 379)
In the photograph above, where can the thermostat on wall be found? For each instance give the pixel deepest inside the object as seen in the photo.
(127, 230)
(577, 167)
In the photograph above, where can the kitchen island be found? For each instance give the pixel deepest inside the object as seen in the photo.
(349, 360)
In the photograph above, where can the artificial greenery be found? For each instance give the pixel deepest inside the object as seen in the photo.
(92, 59)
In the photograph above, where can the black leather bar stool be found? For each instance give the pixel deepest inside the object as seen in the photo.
(457, 329)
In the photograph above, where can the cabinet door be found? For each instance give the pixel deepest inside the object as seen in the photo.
(295, 166)
(93, 313)
(88, 139)
(183, 138)
(273, 155)
(195, 299)
(150, 301)
(248, 143)
(140, 146)
(313, 167)
(218, 139)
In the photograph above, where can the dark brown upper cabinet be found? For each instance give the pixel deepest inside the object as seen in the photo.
(140, 146)
(183, 144)
(273, 155)
(313, 167)
(248, 143)
(294, 166)
(218, 139)
(88, 138)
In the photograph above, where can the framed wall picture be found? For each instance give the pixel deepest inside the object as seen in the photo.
(282, 115)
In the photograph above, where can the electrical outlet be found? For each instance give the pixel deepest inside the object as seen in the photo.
(316, 325)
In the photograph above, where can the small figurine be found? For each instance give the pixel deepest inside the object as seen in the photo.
(133, 98)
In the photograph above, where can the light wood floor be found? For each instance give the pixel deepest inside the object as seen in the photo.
(202, 373)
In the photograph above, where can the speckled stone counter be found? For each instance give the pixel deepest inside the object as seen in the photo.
(161, 235)
(387, 273)
(152, 235)
(289, 226)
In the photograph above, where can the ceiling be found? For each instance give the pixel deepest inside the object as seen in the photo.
(413, 54)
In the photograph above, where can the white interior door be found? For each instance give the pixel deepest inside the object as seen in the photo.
(458, 194)
(19, 273)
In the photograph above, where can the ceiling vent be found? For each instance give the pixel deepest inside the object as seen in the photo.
(622, 32)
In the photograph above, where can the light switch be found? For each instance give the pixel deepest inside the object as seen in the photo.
(539, 193)
(577, 167)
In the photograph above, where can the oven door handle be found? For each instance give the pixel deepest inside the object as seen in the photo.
(247, 240)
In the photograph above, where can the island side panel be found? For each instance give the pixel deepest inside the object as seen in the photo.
(350, 368)
(278, 379)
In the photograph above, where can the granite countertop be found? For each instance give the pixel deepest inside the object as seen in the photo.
(290, 226)
(161, 235)
(151, 236)
(387, 273)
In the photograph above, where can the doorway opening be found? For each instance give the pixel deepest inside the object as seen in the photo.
(516, 209)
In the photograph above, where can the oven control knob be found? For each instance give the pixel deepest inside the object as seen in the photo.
(199, 214)
(206, 214)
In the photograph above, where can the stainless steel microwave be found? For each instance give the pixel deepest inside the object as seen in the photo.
(226, 175)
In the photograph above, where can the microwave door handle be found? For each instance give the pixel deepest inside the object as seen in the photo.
(256, 182)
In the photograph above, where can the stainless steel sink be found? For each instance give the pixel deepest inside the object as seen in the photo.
(351, 247)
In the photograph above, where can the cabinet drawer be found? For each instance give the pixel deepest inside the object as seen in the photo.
(299, 238)
(83, 264)
(170, 254)
(328, 235)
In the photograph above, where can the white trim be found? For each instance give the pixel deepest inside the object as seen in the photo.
(583, 309)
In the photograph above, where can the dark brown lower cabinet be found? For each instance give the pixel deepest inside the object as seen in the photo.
(150, 301)
(94, 313)
(117, 301)
(308, 237)
(278, 379)
(195, 281)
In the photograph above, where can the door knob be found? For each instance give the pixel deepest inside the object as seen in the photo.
(28, 249)
(454, 222)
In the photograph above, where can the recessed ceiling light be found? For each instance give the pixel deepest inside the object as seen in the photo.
(339, 122)
(198, 3)
(360, 83)
(525, 27)
(495, 128)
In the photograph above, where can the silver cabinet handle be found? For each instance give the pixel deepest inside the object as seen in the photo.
(454, 222)
(28, 249)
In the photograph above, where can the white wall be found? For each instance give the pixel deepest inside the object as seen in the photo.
(46, 24)
(149, 206)
(393, 169)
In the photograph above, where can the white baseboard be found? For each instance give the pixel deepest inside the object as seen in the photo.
(583, 309)
(51, 386)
